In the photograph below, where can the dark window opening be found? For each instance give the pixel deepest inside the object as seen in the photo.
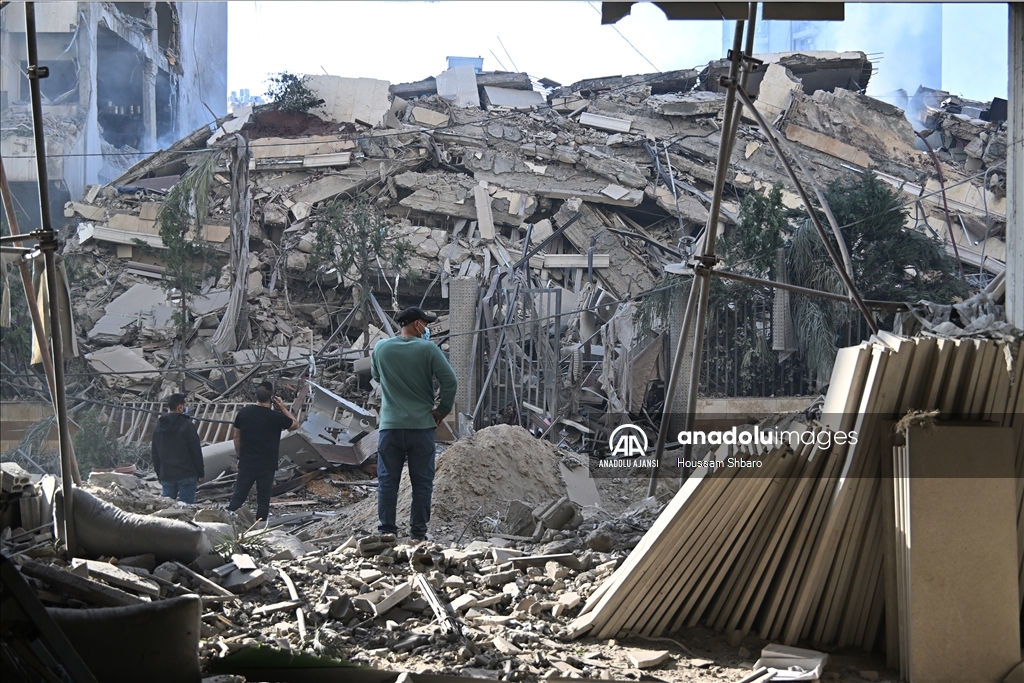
(119, 83)
(165, 104)
(132, 9)
(167, 26)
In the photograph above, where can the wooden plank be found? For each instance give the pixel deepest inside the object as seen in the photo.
(664, 554)
(806, 538)
(962, 357)
(689, 551)
(857, 602)
(813, 582)
(885, 401)
(890, 550)
(596, 612)
(119, 578)
(671, 557)
(936, 377)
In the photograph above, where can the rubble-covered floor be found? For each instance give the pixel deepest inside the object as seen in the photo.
(516, 615)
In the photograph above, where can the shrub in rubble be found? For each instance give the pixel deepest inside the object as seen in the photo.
(187, 257)
(361, 243)
(287, 92)
(772, 242)
(95, 450)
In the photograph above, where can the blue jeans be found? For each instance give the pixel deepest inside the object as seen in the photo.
(264, 480)
(396, 447)
(183, 489)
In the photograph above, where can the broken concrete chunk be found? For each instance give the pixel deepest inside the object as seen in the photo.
(428, 117)
(499, 579)
(464, 602)
(505, 647)
(605, 122)
(778, 88)
(240, 581)
(699, 103)
(646, 659)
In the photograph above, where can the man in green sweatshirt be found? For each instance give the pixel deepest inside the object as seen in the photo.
(405, 367)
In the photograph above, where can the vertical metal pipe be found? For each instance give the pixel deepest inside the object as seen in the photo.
(48, 245)
(30, 296)
(698, 289)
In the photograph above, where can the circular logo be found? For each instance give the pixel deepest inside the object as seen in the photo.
(628, 441)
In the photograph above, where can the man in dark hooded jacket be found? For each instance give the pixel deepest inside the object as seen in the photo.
(177, 452)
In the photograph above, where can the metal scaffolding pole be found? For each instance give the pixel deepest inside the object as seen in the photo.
(696, 305)
(47, 244)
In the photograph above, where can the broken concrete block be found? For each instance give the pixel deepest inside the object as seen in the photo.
(559, 515)
(392, 599)
(616, 125)
(363, 100)
(297, 262)
(646, 659)
(464, 602)
(499, 579)
(518, 518)
(778, 88)
(570, 600)
(127, 481)
(240, 581)
(505, 647)
(458, 84)
(428, 117)
(366, 602)
(600, 540)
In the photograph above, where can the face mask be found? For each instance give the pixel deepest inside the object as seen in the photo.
(426, 333)
(186, 410)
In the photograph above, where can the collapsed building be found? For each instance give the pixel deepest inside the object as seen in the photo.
(539, 222)
(124, 78)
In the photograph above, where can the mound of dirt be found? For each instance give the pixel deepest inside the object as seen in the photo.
(474, 478)
(286, 124)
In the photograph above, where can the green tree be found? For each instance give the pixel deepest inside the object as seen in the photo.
(188, 259)
(288, 92)
(890, 262)
(95, 450)
(358, 240)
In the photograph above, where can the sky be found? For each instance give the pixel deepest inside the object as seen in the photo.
(565, 41)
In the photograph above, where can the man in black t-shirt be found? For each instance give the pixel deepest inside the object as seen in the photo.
(257, 437)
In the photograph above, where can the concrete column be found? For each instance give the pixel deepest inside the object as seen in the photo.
(677, 408)
(149, 82)
(464, 294)
(1015, 171)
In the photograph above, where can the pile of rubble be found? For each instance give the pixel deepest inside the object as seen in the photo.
(476, 173)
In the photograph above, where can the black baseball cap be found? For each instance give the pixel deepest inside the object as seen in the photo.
(412, 314)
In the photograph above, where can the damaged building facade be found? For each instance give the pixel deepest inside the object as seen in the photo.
(125, 78)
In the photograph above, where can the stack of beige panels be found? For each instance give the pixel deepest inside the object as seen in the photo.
(812, 556)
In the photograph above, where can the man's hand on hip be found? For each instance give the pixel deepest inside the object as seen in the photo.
(437, 415)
